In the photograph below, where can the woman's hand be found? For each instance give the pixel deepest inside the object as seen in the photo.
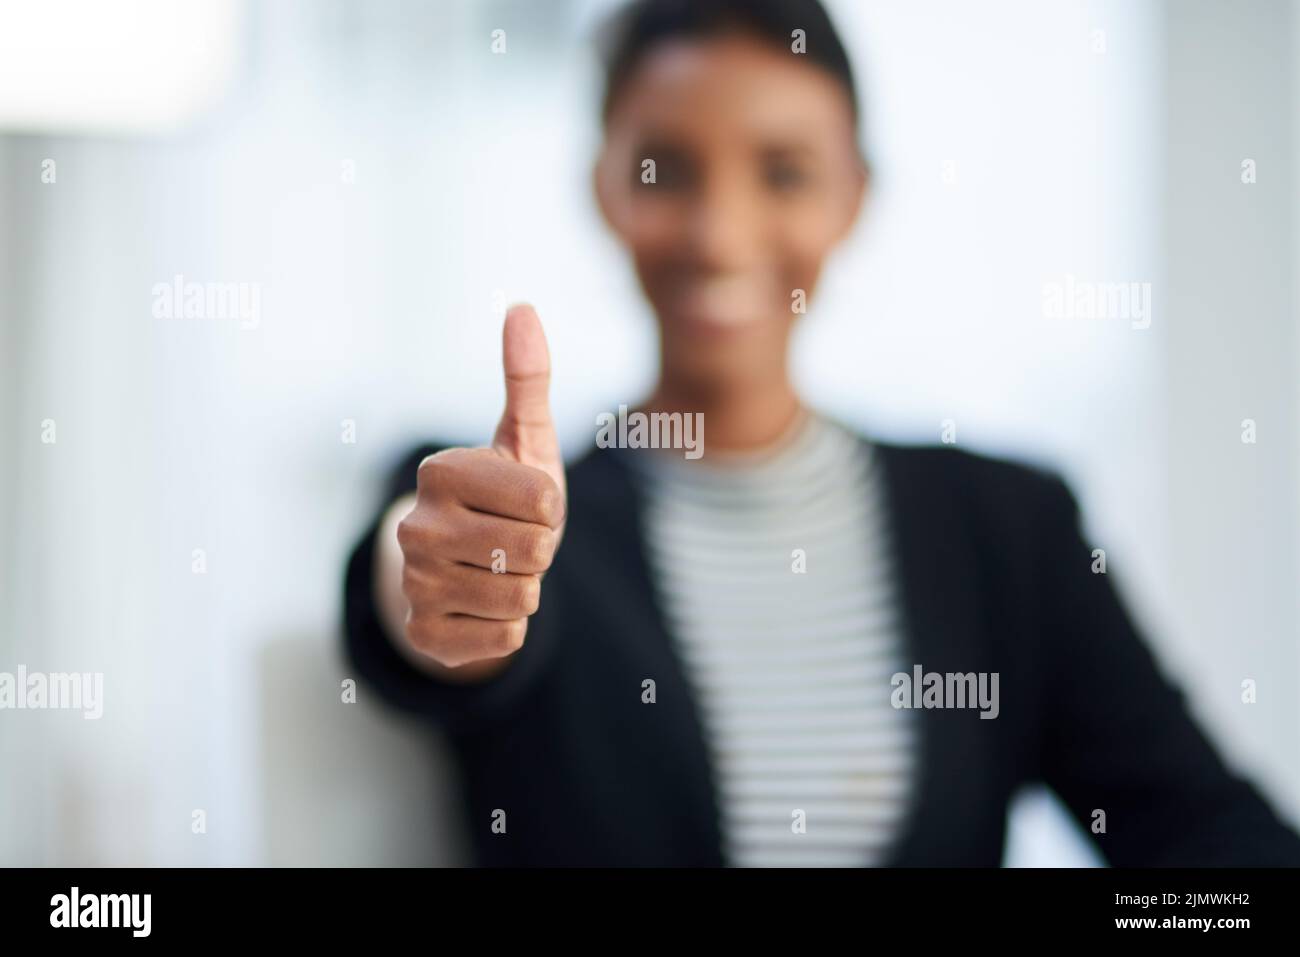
(460, 563)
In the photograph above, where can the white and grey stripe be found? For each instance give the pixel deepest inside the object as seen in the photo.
(791, 670)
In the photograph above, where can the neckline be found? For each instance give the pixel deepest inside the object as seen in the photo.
(804, 432)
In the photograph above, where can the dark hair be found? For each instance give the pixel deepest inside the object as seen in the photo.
(631, 32)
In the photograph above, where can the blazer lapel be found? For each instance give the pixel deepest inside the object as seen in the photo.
(936, 571)
(614, 552)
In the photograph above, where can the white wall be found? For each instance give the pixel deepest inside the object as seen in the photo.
(1232, 255)
(378, 306)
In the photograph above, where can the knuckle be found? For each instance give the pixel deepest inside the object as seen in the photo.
(543, 499)
(511, 637)
(529, 595)
(410, 581)
(436, 532)
(425, 532)
(430, 472)
(550, 502)
(449, 657)
(423, 591)
(418, 635)
(435, 470)
(537, 549)
(425, 639)
(408, 533)
(549, 542)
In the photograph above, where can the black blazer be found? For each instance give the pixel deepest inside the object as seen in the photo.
(994, 577)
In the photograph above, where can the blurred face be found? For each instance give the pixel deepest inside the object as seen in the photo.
(756, 179)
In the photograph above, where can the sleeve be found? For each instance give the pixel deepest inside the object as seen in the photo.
(1119, 737)
(369, 650)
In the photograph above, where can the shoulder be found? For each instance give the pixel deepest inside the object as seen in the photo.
(976, 487)
(951, 467)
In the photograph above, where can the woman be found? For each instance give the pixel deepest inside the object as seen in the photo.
(649, 658)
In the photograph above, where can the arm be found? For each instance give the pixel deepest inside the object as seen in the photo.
(1119, 737)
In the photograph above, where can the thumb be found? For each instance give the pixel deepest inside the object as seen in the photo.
(526, 432)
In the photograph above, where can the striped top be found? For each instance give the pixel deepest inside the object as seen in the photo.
(773, 571)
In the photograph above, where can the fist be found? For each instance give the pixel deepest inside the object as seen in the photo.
(487, 521)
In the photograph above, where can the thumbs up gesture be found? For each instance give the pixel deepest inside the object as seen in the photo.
(487, 521)
(526, 433)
